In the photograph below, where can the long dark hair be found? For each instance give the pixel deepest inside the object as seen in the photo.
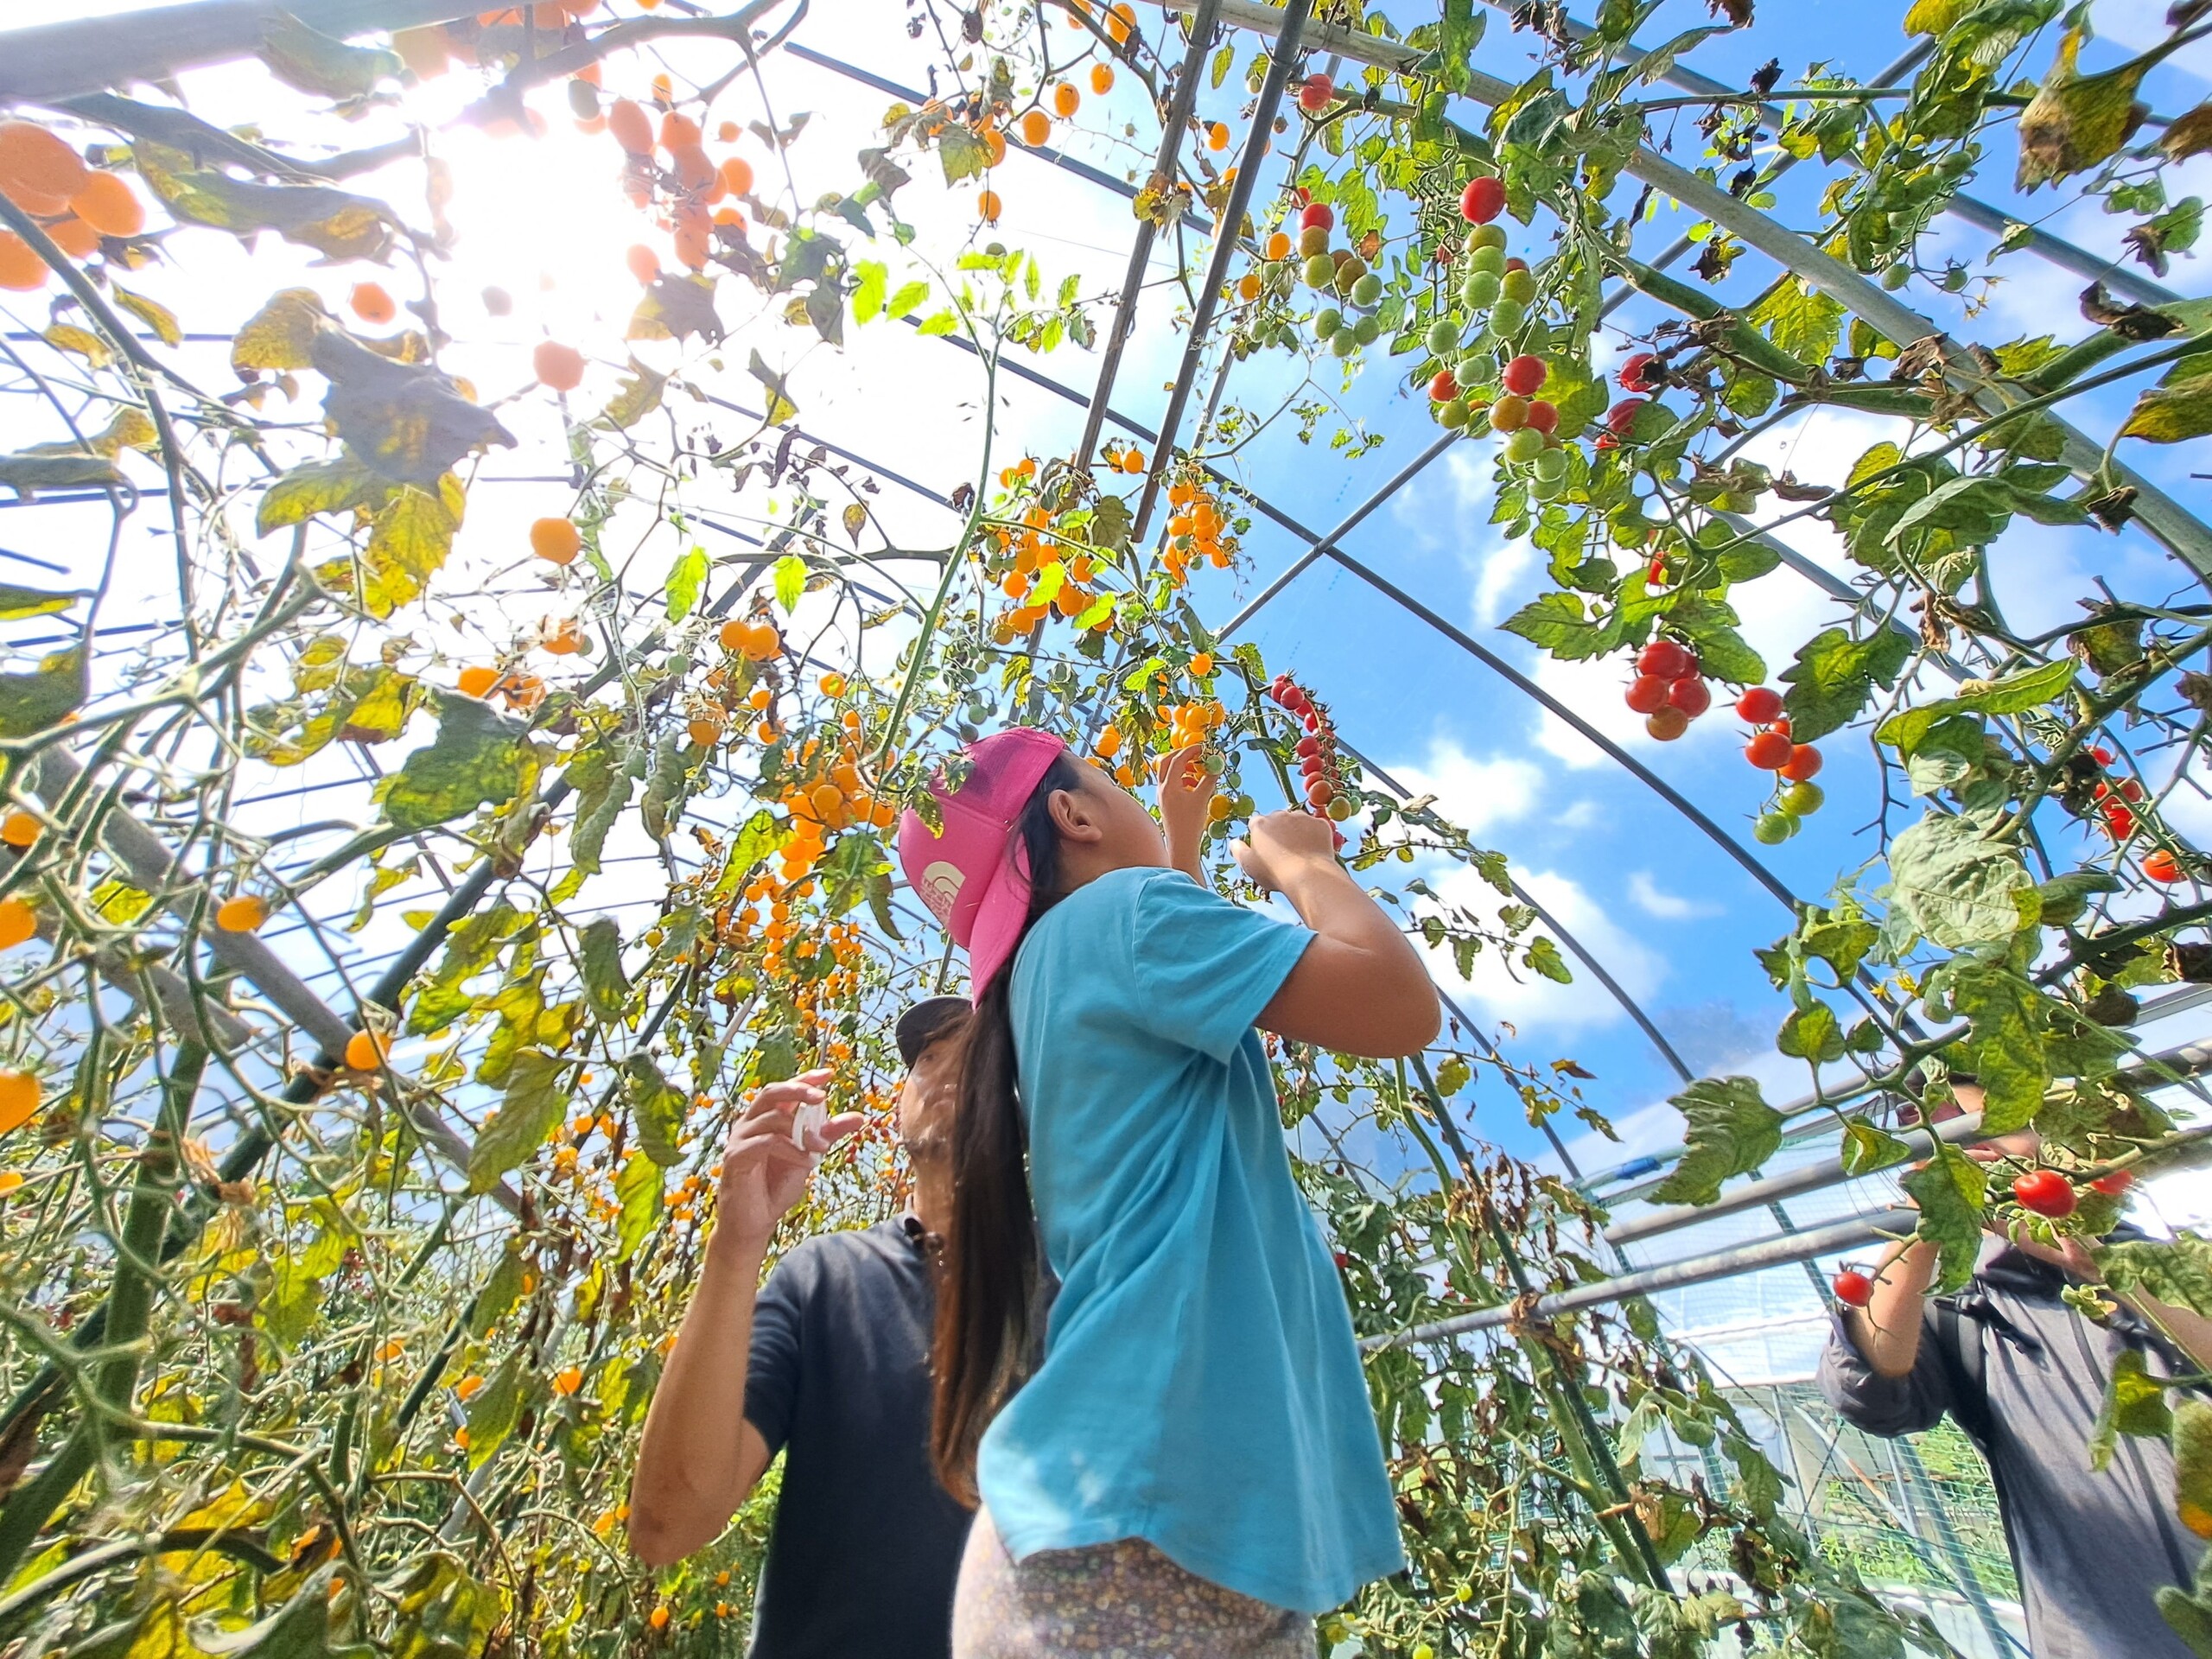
(989, 1265)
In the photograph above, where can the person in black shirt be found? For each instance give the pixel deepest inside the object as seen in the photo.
(828, 1364)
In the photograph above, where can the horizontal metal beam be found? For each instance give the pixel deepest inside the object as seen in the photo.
(1812, 1178)
(60, 59)
(157, 871)
(1782, 1252)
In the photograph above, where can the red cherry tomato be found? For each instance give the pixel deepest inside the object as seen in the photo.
(1542, 415)
(1804, 764)
(2045, 1192)
(2114, 1184)
(1443, 388)
(1632, 371)
(2160, 866)
(1691, 694)
(1482, 201)
(1316, 94)
(1760, 705)
(1854, 1288)
(1668, 723)
(1664, 659)
(2100, 754)
(1647, 693)
(1769, 751)
(1320, 215)
(1308, 746)
(2119, 821)
(1524, 374)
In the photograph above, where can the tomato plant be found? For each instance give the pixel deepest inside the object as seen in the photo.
(336, 1283)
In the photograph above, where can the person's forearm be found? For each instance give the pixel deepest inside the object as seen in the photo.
(1886, 1331)
(1336, 907)
(688, 1478)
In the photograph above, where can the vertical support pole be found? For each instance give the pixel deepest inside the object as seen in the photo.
(1185, 98)
(1224, 245)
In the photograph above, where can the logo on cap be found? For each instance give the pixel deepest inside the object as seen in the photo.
(941, 885)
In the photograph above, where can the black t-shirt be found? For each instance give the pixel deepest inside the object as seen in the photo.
(867, 1544)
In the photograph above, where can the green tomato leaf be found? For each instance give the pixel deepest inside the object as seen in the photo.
(1956, 886)
(33, 702)
(494, 1411)
(1731, 1132)
(1835, 676)
(481, 758)
(1951, 1189)
(2135, 1404)
(2176, 1271)
(1867, 1149)
(685, 578)
(531, 1108)
(638, 1190)
(658, 1106)
(606, 989)
(2075, 121)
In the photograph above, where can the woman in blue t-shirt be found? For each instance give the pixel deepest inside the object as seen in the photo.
(1192, 1467)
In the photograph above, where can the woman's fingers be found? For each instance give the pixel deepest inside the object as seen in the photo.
(832, 1131)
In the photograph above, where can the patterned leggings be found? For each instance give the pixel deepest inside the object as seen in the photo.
(1123, 1601)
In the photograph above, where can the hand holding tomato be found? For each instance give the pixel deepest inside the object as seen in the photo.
(765, 1164)
(1186, 787)
(1281, 844)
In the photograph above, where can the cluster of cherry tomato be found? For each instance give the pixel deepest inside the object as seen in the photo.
(1316, 750)
(1668, 690)
(2044, 1192)
(2116, 805)
(1771, 749)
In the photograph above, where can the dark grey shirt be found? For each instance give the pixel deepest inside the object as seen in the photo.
(2090, 1549)
(867, 1544)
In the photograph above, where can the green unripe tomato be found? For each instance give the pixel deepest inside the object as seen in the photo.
(1344, 343)
(1772, 828)
(1367, 290)
(1474, 368)
(1422, 1650)
(1452, 414)
(1312, 240)
(1480, 291)
(1506, 318)
(1326, 322)
(1443, 337)
(1244, 807)
(1544, 489)
(1491, 235)
(1367, 330)
(1802, 800)
(1319, 272)
(1491, 260)
(1523, 445)
(1552, 463)
(1897, 277)
(1519, 286)
(1342, 807)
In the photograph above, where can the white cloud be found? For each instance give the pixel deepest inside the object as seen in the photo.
(1498, 575)
(1473, 791)
(1655, 900)
(1522, 998)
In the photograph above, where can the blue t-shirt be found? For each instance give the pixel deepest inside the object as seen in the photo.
(1201, 1388)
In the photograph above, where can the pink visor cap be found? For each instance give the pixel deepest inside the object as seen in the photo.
(973, 874)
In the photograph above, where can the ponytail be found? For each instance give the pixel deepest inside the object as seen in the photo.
(989, 1275)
